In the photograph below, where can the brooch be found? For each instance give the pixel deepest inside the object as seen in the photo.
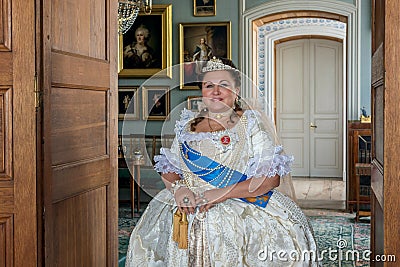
(225, 140)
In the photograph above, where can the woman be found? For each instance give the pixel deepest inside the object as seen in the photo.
(220, 175)
(139, 54)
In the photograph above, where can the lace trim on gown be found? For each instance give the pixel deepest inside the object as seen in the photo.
(167, 162)
(260, 166)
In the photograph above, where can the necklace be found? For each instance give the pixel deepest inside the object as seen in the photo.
(224, 181)
(219, 115)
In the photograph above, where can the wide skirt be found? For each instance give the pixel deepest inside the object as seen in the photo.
(232, 233)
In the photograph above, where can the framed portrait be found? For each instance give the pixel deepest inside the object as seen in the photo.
(128, 104)
(200, 42)
(156, 105)
(146, 48)
(204, 8)
(193, 103)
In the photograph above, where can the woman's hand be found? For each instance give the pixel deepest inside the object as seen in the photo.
(210, 198)
(185, 200)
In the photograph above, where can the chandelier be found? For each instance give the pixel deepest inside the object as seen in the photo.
(128, 10)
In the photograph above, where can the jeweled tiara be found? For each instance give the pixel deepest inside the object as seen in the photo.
(216, 64)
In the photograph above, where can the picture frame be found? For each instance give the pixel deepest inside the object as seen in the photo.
(128, 103)
(150, 51)
(203, 8)
(156, 102)
(192, 103)
(200, 42)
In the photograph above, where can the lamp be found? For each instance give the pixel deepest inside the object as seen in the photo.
(128, 10)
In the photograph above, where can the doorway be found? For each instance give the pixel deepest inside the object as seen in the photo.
(309, 105)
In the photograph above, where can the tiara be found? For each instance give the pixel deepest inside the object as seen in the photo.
(215, 64)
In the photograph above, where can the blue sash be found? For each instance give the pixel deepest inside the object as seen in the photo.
(217, 174)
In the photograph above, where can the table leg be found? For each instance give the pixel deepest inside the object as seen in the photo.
(138, 187)
(132, 184)
(358, 196)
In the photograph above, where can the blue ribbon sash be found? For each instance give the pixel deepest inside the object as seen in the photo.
(217, 174)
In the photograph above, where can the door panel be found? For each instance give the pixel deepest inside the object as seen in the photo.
(80, 132)
(326, 86)
(87, 219)
(309, 90)
(293, 102)
(78, 135)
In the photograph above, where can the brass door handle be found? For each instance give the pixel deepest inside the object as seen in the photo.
(313, 126)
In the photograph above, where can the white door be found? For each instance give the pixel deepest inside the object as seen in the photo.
(309, 88)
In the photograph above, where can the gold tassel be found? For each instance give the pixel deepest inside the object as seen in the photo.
(175, 224)
(183, 232)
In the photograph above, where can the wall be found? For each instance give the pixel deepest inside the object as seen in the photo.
(182, 12)
(365, 45)
(365, 98)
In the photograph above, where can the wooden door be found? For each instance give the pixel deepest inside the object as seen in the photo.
(309, 105)
(79, 75)
(18, 241)
(385, 179)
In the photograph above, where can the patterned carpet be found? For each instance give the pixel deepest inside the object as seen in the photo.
(332, 230)
(125, 227)
(343, 237)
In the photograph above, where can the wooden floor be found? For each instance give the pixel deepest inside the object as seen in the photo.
(320, 193)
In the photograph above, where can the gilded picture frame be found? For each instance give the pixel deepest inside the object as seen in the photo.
(193, 103)
(146, 49)
(194, 39)
(156, 102)
(128, 103)
(204, 8)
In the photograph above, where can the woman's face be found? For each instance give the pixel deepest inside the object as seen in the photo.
(140, 37)
(219, 90)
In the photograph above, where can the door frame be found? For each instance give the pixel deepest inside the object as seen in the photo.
(22, 133)
(271, 14)
(253, 18)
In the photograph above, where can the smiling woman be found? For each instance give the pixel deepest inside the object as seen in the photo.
(221, 206)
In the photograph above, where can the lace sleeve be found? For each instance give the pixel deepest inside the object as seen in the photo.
(266, 158)
(168, 160)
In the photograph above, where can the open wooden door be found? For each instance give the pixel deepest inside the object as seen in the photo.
(385, 179)
(79, 134)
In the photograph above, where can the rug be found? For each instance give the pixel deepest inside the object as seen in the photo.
(334, 231)
(341, 241)
(125, 226)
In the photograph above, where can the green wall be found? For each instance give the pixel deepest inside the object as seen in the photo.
(366, 31)
(182, 12)
(228, 10)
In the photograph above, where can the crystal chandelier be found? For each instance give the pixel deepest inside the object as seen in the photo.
(128, 10)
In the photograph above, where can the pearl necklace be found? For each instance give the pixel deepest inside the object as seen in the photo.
(187, 175)
(220, 115)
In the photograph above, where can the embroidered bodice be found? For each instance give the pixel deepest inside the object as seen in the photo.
(246, 147)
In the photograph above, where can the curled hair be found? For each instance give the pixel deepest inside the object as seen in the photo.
(146, 32)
